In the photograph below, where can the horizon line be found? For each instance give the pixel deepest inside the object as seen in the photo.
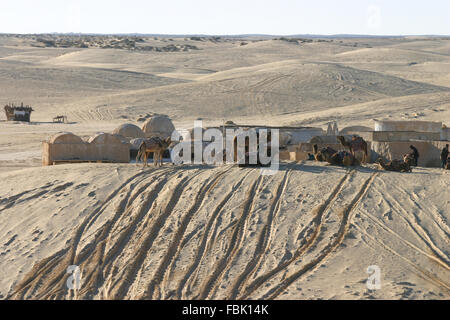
(344, 35)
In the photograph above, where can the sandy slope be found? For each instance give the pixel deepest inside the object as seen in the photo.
(310, 231)
(189, 232)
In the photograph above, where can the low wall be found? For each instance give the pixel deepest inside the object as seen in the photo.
(293, 155)
(403, 136)
(445, 134)
(288, 135)
(103, 147)
(421, 126)
(429, 151)
(301, 135)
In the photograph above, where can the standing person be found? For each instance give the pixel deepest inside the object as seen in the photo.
(444, 156)
(415, 155)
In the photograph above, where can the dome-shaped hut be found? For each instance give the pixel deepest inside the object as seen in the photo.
(158, 126)
(129, 130)
(65, 138)
(104, 138)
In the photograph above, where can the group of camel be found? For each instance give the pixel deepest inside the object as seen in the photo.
(358, 144)
(397, 165)
(328, 154)
(158, 146)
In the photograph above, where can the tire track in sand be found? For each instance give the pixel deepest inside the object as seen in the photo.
(309, 235)
(423, 273)
(415, 226)
(151, 230)
(263, 241)
(48, 275)
(404, 241)
(174, 247)
(202, 249)
(339, 238)
(234, 243)
(99, 263)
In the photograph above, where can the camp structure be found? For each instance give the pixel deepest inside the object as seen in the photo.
(158, 126)
(65, 147)
(60, 119)
(130, 131)
(16, 113)
(288, 136)
(304, 149)
(391, 140)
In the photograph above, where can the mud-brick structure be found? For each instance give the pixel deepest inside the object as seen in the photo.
(407, 126)
(158, 126)
(129, 130)
(289, 137)
(18, 113)
(391, 140)
(445, 133)
(429, 151)
(66, 147)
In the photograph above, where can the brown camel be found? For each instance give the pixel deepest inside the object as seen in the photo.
(334, 157)
(155, 145)
(324, 154)
(409, 159)
(355, 145)
(394, 165)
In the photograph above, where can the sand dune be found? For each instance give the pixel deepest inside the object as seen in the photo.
(202, 232)
(282, 87)
(224, 232)
(394, 54)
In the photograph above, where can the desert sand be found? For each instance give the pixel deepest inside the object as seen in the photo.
(221, 232)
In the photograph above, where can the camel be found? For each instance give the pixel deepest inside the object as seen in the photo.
(394, 165)
(155, 145)
(334, 157)
(324, 154)
(355, 145)
(409, 159)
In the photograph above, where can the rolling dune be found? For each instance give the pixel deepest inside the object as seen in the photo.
(221, 232)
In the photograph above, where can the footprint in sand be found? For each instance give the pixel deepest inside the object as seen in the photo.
(37, 234)
(10, 240)
(388, 215)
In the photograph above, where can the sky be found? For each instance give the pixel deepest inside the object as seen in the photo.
(227, 17)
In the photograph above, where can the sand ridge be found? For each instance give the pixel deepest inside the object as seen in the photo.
(229, 233)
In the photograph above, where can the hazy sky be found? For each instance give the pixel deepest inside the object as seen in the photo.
(281, 17)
